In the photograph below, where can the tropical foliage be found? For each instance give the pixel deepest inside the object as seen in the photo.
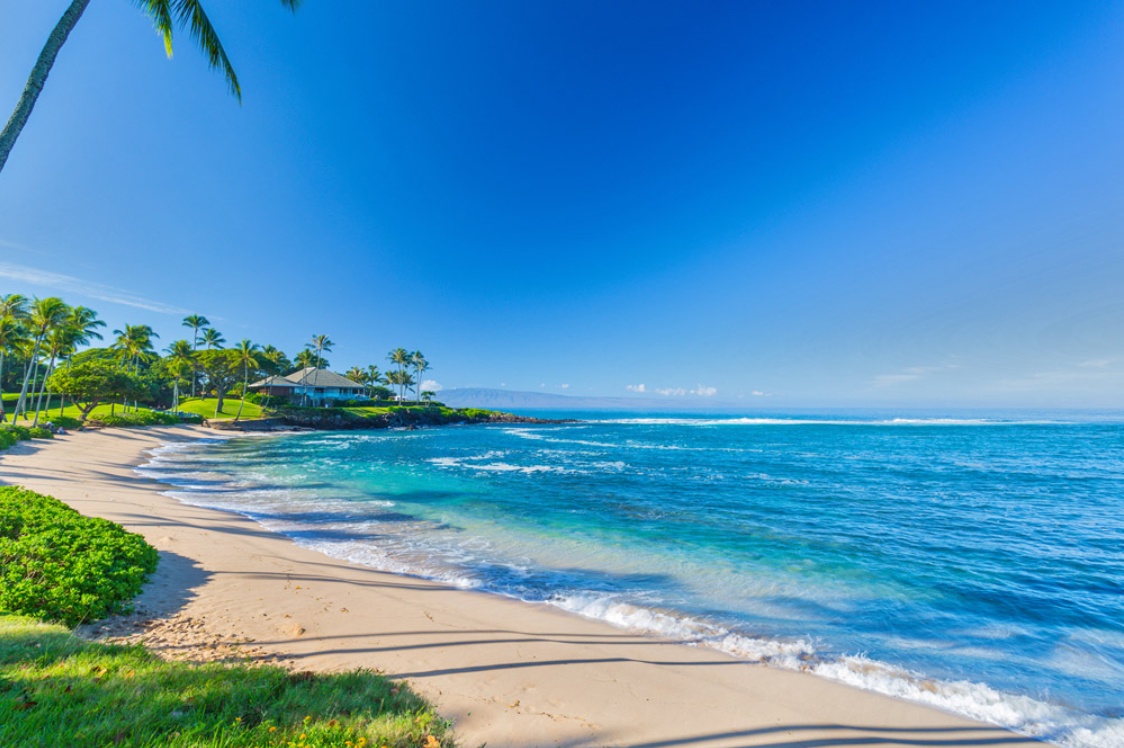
(49, 372)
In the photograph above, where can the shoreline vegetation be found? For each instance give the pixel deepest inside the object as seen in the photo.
(61, 569)
(51, 376)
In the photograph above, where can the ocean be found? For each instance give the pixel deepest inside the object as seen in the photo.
(973, 564)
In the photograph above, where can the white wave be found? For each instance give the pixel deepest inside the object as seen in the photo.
(746, 421)
(497, 467)
(978, 701)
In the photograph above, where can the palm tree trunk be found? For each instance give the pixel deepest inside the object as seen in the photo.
(194, 364)
(42, 389)
(245, 384)
(21, 402)
(38, 77)
(3, 415)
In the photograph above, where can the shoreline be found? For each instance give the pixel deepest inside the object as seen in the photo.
(505, 672)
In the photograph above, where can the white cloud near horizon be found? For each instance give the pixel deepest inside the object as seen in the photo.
(70, 284)
(910, 374)
(699, 391)
(432, 385)
(636, 388)
(564, 386)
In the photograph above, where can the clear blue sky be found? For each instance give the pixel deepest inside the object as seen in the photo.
(784, 204)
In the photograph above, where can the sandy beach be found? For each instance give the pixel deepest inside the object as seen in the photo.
(506, 673)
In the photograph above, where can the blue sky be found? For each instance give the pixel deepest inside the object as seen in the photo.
(769, 204)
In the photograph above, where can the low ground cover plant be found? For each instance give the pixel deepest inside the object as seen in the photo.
(56, 689)
(58, 565)
(10, 433)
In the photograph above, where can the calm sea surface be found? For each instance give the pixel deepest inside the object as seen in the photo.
(971, 564)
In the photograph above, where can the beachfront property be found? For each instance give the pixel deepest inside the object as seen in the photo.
(311, 386)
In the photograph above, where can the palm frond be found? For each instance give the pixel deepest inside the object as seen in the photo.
(190, 13)
(161, 15)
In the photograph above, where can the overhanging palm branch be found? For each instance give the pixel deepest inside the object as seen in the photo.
(165, 15)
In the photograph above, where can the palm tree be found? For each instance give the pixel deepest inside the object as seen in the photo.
(212, 338)
(135, 344)
(374, 378)
(402, 379)
(420, 365)
(45, 315)
(273, 361)
(196, 322)
(164, 14)
(320, 343)
(13, 312)
(183, 359)
(246, 351)
(307, 359)
(400, 357)
(77, 329)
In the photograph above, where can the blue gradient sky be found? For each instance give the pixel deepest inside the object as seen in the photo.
(772, 204)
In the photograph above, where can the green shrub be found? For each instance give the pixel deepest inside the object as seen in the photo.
(66, 422)
(58, 565)
(138, 418)
(38, 432)
(7, 438)
(21, 433)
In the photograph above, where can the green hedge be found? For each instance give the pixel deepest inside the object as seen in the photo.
(138, 418)
(58, 565)
(10, 434)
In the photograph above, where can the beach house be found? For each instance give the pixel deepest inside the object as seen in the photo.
(311, 386)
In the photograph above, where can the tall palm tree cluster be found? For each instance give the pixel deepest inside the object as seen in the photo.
(35, 336)
(41, 336)
(401, 377)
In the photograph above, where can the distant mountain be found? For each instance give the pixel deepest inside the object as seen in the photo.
(475, 397)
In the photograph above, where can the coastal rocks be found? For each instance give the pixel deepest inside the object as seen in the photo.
(259, 424)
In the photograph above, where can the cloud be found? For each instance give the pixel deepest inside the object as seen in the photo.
(700, 391)
(70, 284)
(910, 374)
(759, 393)
(13, 245)
(636, 388)
(564, 386)
(432, 385)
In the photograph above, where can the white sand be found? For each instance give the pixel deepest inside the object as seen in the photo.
(506, 673)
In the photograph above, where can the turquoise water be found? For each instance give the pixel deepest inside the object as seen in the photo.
(974, 565)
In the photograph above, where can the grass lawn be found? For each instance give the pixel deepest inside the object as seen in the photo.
(367, 410)
(73, 411)
(57, 689)
(206, 408)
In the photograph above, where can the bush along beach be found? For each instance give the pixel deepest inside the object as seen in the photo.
(59, 568)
